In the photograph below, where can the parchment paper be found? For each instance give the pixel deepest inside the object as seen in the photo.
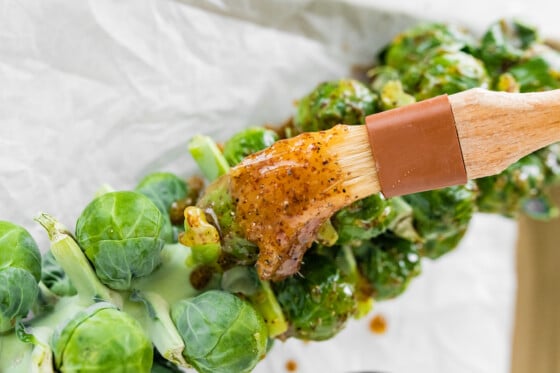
(105, 91)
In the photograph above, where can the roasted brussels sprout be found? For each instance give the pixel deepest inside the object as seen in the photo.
(246, 142)
(342, 101)
(222, 333)
(363, 219)
(388, 263)
(507, 192)
(445, 73)
(102, 339)
(120, 233)
(218, 203)
(540, 72)
(317, 303)
(20, 271)
(412, 46)
(54, 277)
(550, 157)
(505, 43)
(441, 217)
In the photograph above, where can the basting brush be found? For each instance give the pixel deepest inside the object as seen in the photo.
(284, 193)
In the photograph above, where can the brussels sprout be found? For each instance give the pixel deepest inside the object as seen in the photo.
(393, 95)
(246, 142)
(388, 263)
(222, 333)
(411, 46)
(441, 217)
(445, 73)
(218, 203)
(506, 193)
(317, 303)
(164, 189)
(540, 72)
(120, 233)
(363, 219)
(102, 339)
(54, 277)
(245, 281)
(550, 157)
(20, 270)
(342, 101)
(504, 44)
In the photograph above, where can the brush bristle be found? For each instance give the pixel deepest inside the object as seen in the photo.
(355, 158)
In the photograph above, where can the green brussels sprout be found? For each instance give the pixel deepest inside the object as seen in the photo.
(120, 233)
(411, 46)
(388, 263)
(54, 277)
(344, 101)
(507, 192)
(248, 141)
(222, 333)
(20, 271)
(102, 339)
(445, 73)
(540, 72)
(363, 219)
(317, 303)
(504, 44)
(163, 189)
(441, 217)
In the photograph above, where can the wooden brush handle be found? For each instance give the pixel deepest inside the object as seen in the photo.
(495, 129)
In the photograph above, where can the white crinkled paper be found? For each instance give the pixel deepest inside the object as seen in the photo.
(105, 91)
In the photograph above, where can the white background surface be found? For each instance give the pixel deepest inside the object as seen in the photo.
(105, 91)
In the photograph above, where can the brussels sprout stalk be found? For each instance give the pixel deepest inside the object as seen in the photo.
(157, 322)
(244, 280)
(208, 157)
(71, 258)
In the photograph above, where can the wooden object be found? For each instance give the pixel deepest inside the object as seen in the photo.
(497, 128)
(536, 342)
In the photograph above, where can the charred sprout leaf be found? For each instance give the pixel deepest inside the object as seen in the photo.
(120, 233)
(411, 46)
(222, 333)
(20, 271)
(318, 302)
(504, 44)
(246, 142)
(54, 278)
(343, 101)
(505, 193)
(102, 339)
(363, 219)
(441, 217)
(393, 96)
(445, 73)
(202, 237)
(388, 263)
(217, 202)
(540, 72)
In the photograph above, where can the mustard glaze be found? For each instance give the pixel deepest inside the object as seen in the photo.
(283, 194)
